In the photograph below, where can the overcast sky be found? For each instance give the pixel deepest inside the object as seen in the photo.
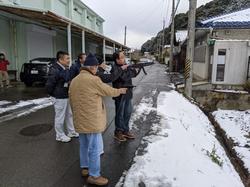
(144, 18)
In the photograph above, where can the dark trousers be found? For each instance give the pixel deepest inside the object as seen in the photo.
(123, 109)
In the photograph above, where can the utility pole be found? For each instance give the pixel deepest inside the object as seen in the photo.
(163, 38)
(171, 59)
(190, 48)
(125, 36)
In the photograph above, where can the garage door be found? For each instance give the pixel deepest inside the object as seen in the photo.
(39, 45)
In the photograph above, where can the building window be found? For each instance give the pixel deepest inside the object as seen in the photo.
(221, 62)
(89, 18)
(98, 24)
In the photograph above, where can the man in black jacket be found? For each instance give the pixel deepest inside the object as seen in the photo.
(58, 86)
(123, 104)
(110, 73)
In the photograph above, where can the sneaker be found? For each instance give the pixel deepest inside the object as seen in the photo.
(128, 135)
(85, 172)
(99, 181)
(73, 135)
(63, 139)
(119, 136)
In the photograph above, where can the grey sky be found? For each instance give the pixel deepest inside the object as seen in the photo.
(144, 18)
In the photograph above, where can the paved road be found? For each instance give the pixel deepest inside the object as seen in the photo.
(34, 161)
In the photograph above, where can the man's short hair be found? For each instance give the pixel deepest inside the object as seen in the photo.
(116, 55)
(61, 54)
(80, 55)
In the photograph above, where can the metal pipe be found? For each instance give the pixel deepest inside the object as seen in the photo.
(69, 42)
(83, 42)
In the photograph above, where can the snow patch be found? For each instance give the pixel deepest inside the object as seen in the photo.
(239, 16)
(4, 103)
(142, 109)
(179, 150)
(20, 104)
(232, 91)
(236, 124)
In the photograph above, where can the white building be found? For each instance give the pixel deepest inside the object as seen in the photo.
(222, 49)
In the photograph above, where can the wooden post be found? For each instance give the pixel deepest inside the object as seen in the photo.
(190, 48)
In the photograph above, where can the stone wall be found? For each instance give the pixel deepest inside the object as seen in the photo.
(227, 101)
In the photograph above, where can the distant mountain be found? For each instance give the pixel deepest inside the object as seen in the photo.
(211, 9)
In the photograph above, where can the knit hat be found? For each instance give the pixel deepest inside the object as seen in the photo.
(91, 60)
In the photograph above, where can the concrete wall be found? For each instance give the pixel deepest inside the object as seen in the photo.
(60, 7)
(33, 4)
(38, 4)
(217, 100)
(5, 38)
(237, 53)
(22, 51)
(201, 63)
(200, 71)
(238, 34)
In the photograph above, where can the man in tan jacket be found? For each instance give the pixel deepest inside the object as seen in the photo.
(89, 115)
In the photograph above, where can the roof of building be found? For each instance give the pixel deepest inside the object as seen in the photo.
(239, 19)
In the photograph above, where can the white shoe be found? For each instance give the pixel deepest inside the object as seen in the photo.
(63, 139)
(73, 135)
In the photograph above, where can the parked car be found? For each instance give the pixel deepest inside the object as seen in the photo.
(36, 71)
(145, 60)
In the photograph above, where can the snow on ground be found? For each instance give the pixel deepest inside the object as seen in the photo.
(232, 91)
(23, 108)
(4, 103)
(236, 124)
(43, 104)
(182, 150)
(142, 109)
(20, 104)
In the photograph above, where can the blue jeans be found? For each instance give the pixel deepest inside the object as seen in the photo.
(123, 109)
(91, 146)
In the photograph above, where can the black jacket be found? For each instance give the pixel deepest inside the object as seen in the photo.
(58, 82)
(75, 69)
(125, 80)
(108, 78)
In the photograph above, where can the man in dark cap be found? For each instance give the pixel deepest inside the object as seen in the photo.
(89, 115)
